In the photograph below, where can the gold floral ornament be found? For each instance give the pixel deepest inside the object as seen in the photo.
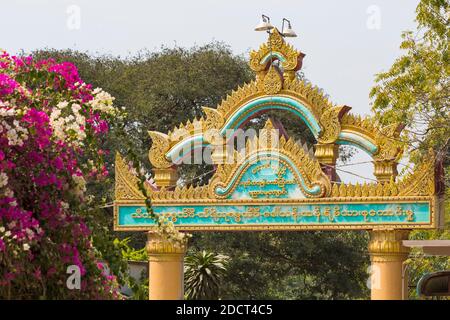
(157, 153)
(126, 184)
(185, 130)
(422, 180)
(331, 122)
(390, 147)
(276, 47)
(273, 81)
(386, 138)
(364, 126)
(239, 97)
(311, 96)
(214, 119)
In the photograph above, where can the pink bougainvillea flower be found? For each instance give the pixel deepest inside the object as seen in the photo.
(44, 147)
(7, 85)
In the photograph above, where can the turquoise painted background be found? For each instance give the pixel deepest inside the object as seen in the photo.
(301, 214)
(268, 179)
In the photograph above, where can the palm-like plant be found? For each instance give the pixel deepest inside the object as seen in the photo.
(203, 273)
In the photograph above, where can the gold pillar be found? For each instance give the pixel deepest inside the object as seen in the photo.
(165, 268)
(387, 255)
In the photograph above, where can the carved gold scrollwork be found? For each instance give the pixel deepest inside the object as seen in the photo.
(214, 119)
(238, 97)
(421, 182)
(125, 182)
(272, 82)
(389, 144)
(291, 58)
(309, 168)
(330, 121)
(157, 153)
(310, 95)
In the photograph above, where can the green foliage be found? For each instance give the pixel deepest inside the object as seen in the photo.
(203, 273)
(140, 288)
(291, 265)
(130, 253)
(416, 89)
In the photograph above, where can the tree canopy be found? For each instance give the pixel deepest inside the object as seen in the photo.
(415, 91)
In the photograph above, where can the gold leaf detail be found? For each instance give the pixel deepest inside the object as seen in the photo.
(260, 59)
(126, 184)
(331, 124)
(160, 146)
(272, 81)
(214, 120)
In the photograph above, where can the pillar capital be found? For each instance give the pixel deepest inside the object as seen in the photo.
(327, 153)
(385, 170)
(165, 177)
(159, 246)
(386, 245)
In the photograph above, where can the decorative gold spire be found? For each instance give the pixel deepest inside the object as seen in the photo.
(291, 59)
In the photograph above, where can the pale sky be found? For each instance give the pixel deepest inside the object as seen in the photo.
(346, 42)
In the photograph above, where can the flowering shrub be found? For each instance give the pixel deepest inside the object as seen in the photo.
(52, 127)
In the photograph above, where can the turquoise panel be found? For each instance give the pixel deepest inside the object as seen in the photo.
(267, 178)
(280, 214)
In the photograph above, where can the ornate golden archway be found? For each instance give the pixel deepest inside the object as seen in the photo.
(281, 186)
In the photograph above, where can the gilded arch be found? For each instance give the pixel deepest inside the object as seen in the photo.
(276, 87)
(295, 192)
